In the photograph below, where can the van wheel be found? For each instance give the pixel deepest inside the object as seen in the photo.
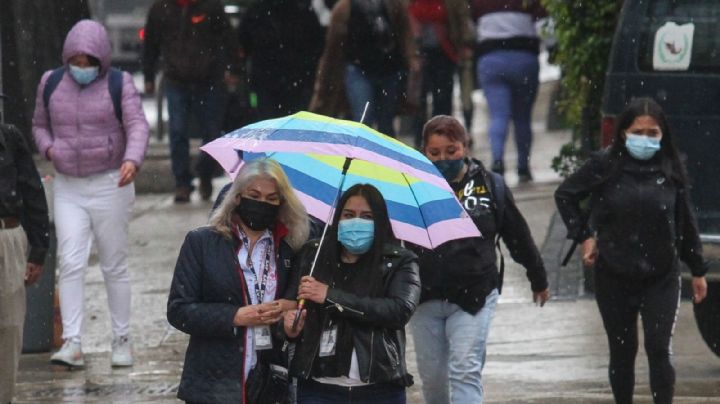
(707, 316)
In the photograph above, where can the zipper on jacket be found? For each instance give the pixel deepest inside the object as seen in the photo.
(342, 308)
(372, 347)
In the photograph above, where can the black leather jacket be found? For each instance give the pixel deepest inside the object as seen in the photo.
(378, 323)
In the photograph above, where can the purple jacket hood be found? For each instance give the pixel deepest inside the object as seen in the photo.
(90, 38)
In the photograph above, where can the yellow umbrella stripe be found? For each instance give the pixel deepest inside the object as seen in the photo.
(367, 169)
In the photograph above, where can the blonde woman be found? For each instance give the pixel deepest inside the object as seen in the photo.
(229, 283)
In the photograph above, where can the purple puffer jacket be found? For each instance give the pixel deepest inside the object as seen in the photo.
(85, 135)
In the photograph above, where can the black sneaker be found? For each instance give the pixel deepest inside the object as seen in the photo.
(524, 175)
(206, 188)
(498, 167)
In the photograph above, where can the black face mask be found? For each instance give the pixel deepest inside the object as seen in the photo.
(257, 215)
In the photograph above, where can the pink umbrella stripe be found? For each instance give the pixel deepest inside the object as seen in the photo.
(451, 229)
(223, 150)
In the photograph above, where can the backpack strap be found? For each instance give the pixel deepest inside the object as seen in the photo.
(115, 85)
(50, 86)
(496, 186)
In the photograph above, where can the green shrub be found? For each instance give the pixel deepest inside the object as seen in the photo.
(584, 31)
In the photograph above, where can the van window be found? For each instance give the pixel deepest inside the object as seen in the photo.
(704, 14)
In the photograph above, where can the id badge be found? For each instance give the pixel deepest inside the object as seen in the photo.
(263, 340)
(328, 340)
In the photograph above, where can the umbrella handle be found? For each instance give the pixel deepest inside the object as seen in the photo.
(298, 313)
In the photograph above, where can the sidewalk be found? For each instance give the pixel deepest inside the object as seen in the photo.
(556, 354)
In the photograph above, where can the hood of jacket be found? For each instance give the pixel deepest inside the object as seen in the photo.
(90, 38)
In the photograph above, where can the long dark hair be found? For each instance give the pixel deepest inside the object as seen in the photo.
(371, 260)
(671, 165)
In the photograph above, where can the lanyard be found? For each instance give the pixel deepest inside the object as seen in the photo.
(259, 286)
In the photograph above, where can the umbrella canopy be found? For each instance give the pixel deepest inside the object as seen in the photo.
(420, 212)
(422, 207)
(305, 132)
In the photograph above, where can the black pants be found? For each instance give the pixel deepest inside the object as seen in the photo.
(620, 301)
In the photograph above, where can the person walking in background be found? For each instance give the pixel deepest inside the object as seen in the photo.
(443, 30)
(639, 226)
(229, 282)
(97, 148)
(508, 69)
(23, 223)
(351, 337)
(200, 57)
(368, 51)
(460, 280)
(283, 41)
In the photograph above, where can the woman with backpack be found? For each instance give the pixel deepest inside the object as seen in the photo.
(369, 49)
(460, 279)
(640, 225)
(90, 123)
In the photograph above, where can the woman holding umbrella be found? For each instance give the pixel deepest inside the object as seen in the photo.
(460, 281)
(229, 281)
(362, 292)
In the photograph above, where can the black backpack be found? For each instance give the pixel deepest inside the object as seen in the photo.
(115, 83)
(374, 15)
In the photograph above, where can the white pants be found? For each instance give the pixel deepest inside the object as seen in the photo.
(13, 259)
(87, 207)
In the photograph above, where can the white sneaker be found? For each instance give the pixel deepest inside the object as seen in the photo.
(121, 352)
(69, 355)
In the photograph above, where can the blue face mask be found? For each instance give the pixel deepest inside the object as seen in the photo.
(84, 75)
(356, 235)
(642, 147)
(449, 168)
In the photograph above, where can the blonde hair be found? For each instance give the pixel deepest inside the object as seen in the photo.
(292, 213)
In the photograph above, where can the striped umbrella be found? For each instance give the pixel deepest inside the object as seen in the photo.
(324, 156)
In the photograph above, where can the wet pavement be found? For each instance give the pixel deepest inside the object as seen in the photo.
(555, 354)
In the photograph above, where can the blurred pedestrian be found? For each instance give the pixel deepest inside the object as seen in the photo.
(229, 283)
(368, 51)
(640, 224)
(460, 279)
(443, 30)
(24, 243)
(200, 58)
(90, 123)
(351, 338)
(283, 41)
(508, 69)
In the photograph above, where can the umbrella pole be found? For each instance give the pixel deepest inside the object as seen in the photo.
(362, 118)
(301, 302)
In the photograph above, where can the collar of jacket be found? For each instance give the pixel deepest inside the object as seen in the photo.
(475, 167)
(278, 233)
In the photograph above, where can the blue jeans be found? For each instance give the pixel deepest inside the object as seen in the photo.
(206, 102)
(450, 350)
(509, 80)
(312, 392)
(381, 91)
